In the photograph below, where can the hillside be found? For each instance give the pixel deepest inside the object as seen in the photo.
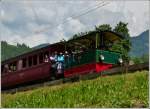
(129, 90)
(140, 44)
(9, 51)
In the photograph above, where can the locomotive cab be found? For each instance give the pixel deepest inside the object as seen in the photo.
(92, 52)
(105, 42)
(100, 42)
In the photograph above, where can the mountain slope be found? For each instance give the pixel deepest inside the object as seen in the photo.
(9, 51)
(140, 44)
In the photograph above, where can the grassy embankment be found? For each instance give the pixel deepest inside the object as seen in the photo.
(129, 90)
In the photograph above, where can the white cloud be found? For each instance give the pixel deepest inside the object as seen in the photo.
(36, 39)
(36, 22)
(30, 40)
(134, 13)
(6, 17)
(74, 25)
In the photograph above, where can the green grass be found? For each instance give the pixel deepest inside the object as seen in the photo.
(129, 90)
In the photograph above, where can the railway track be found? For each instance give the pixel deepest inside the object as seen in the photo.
(126, 69)
(116, 70)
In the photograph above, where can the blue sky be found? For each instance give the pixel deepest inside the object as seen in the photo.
(34, 22)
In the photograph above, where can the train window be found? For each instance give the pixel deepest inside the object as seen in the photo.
(24, 63)
(13, 66)
(35, 60)
(41, 58)
(30, 61)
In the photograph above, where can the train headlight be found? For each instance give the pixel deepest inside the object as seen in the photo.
(120, 60)
(102, 57)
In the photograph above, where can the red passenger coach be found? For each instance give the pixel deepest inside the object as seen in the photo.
(28, 67)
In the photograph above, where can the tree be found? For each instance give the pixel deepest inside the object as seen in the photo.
(62, 40)
(125, 45)
(4, 43)
(18, 45)
(145, 57)
(103, 27)
(74, 36)
(122, 29)
(122, 47)
(79, 35)
(137, 60)
(24, 45)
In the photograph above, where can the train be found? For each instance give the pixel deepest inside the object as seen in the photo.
(89, 53)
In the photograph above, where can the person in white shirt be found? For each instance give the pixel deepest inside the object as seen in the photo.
(53, 59)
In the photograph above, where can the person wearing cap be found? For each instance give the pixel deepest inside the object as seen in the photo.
(60, 57)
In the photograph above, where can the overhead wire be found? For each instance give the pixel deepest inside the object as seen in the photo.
(88, 8)
(65, 21)
(74, 17)
(99, 5)
(35, 13)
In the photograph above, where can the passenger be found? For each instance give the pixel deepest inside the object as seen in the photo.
(52, 57)
(56, 59)
(53, 60)
(81, 50)
(56, 56)
(60, 58)
(14, 68)
(11, 68)
(66, 56)
(60, 66)
(46, 58)
(66, 53)
(53, 64)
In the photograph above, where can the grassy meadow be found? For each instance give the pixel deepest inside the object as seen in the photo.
(128, 90)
